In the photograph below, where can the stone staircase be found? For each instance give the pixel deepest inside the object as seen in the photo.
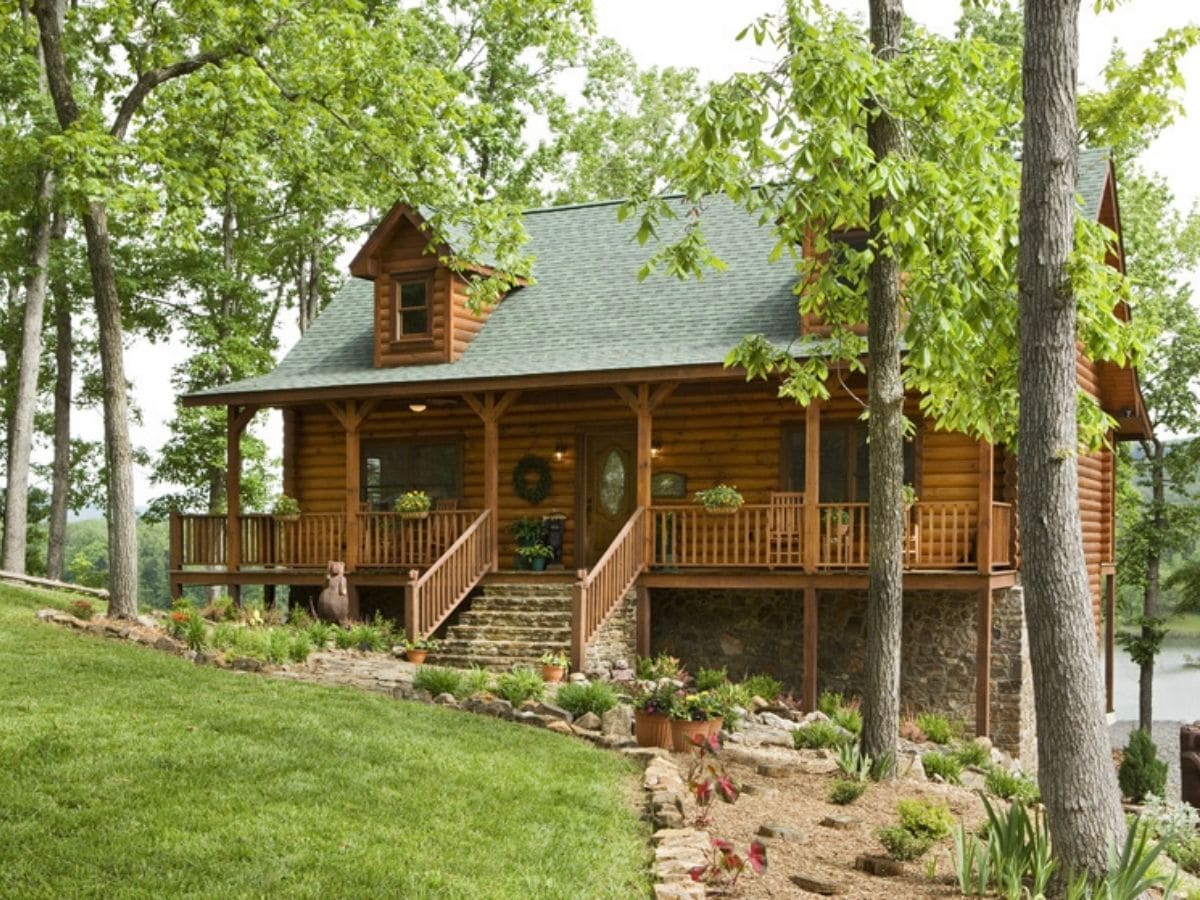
(508, 625)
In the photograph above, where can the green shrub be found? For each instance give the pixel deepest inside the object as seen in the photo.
(853, 764)
(195, 634)
(902, 844)
(654, 668)
(849, 718)
(1141, 771)
(224, 636)
(925, 817)
(845, 792)
(1012, 786)
(249, 642)
(476, 681)
(298, 617)
(438, 680)
(938, 728)
(279, 646)
(830, 702)
(972, 753)
(81, 609)
(763, 686)
(299, 647)
(320, 633)
(729, 698)
(594, 697)
(1187, 854)
(819, 736)
(941, 764)
(520, 685)
(222, 609)
(711, 679)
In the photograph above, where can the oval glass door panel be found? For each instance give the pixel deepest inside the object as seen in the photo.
(612, 482)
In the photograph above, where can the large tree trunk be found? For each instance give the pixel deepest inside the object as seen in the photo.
(885, 594)
(20, 449)
(118, 452)
(1150, 595)
(61, 487)
(1074, 762)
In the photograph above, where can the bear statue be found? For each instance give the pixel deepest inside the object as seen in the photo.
(334, 603)
(1189, 763)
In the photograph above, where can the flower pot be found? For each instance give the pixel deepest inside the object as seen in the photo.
(423, 514)
(538, 564)
(721, 510)
(553, 673)
(291, 517)
(652, 729)
(416, 656)
(683, 730)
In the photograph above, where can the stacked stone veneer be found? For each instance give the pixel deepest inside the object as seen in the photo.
(616, 639)
(763, 631)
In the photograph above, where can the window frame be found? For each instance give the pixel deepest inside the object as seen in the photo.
(456, 440)
(855, 427)
(399, 281)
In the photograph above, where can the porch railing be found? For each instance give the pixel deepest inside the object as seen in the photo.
(597, 593)
(842, 538)
(388, 540)
(308, 542)
(691, 536)
(201, 540)
(430, 598)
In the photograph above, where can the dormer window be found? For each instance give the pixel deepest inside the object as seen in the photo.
(412, 296)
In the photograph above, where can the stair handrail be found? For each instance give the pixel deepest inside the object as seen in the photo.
(431, 597)
(598, 591)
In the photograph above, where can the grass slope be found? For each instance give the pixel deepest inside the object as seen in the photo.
(126, 772)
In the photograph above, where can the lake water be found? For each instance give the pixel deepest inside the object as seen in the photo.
(1176, 687)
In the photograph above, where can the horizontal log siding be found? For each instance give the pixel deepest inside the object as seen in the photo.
(1095, 493)
(404, 252)
(465, 325)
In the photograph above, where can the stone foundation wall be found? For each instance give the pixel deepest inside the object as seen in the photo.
(763, 631)
(616, 639)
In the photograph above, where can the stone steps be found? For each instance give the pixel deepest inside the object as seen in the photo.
(507, 626)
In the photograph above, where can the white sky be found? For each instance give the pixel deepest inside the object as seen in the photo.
(700, 34)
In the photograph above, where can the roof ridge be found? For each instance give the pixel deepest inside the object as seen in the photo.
(588, 204)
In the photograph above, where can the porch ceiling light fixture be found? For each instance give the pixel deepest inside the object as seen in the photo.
(655, 449)
(560, 451)
(418, 407)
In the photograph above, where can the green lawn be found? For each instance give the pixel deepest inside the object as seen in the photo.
(127, 772)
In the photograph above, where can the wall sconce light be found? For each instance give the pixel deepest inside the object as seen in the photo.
(560, 451)
(655, 449)
(418, 407)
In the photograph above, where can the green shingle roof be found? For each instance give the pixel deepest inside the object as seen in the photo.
(587, 311)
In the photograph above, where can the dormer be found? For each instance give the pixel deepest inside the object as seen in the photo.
(421, 314)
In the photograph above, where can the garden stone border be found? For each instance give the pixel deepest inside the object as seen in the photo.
(676, 847)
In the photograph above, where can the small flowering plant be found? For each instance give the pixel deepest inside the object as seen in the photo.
(413, 502)
(81, 609)
(557, 659)
(724, 866)
(708, 780)
(286, 506)
(723, 496)
(699, 707)
(656, 700)
(421, 643)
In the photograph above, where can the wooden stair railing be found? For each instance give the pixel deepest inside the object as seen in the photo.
(597, 593)
(430, 598)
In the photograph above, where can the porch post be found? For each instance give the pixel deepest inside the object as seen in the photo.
(811, 626)
(983, 534)
(983, 663)
(812, 487)
(353, 486)
(237, 417)
(643, 621)
(489, 408)
(643, 402)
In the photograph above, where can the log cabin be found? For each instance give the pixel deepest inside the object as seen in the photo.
(597, 404)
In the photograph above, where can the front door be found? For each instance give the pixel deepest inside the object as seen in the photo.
(609, 488)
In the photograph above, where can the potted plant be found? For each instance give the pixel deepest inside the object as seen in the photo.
(723, 499)
(651, 715)
(694, 714)
(554, 665)
(286, 509)
(413, 505)
(536, 556)
(909, 494)
(416, 649)
(526, 531)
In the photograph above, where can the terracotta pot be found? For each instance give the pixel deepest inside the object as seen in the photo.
(416, 656)
(683, 730)
(652, 729)
(553, 673)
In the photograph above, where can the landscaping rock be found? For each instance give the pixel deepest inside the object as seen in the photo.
(764, 736)
(772, 720)
(782, 832)
(241, 664)
(816, 885)
(166, 644)
(558, 726)
(499, 708)
(45, 615)
(644, 754)
(578, 678)
(422, 696)
(549, 709)
(911, 767)
(589, 721)
(445, 699)
(758, 790)
(758, 704)
(117, 631)
(618, 721)
(880, 866)
(841, 823)
(678, 890)
(775, 770)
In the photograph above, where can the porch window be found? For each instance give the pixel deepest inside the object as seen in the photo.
(411, 302)
(845, 473)
(389, 468)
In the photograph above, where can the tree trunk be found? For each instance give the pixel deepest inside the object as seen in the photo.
(1074, 762)
(20, 449)
(118, 452)
(885, 593)
(60, 490)
(1150, 595)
